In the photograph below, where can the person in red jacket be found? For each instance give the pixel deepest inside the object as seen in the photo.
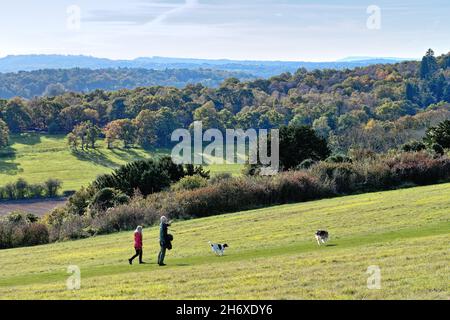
(137, 245)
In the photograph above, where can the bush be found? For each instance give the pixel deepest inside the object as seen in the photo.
(79, 202)
(438, 149)
(190, 183)
(35, 234)
(149, 176)
(414, 146)
(52, 187)
(20, 229)
(21, 189)
(220, 177)
(238, 194)
(419, 168)
(338, 158)
(125, 217)
(63, 225)
(306, 164)
(107, 198)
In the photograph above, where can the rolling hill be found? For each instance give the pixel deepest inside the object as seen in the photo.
(38, 157)
(272, 255)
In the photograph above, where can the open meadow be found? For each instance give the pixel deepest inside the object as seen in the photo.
(272, 255)
(38, 157)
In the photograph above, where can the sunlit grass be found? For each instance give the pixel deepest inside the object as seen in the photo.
(272, 255)
(37, 157)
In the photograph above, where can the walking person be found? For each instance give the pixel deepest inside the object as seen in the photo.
(137, 245)
(164, 240)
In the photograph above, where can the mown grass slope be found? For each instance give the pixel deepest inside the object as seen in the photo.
(272, 255)
(38, 157)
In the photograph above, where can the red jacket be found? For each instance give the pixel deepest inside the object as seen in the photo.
(138, 240)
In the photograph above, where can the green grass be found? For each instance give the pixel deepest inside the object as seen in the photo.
(37, 157)
(272, 255)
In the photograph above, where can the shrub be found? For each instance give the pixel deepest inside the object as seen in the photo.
(63, 225)
(36, 190)
(20, 229)
(35, 234)
(79, 201)
(21, 187)
(414, 146)
(190, 183)
(419, 168)
(220, 177)
(107, 198)
(439, 134)
(306, 164)
(438, 149)
(51, 187)
(238, 194)
(125, 217)
(148, 176)
(339, 158)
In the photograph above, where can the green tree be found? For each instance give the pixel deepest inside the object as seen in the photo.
(439, 135)
(4, 134)
(429, 65)
(147, 176)
(16, 115)
(117, 109)
(208, 115)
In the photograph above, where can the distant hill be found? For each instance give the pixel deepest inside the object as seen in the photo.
(258, 68)
(50, 82)
(374, 59)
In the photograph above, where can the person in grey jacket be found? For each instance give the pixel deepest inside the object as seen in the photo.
(164, 240)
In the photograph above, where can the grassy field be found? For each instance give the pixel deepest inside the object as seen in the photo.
(37, 158)
(272, 255)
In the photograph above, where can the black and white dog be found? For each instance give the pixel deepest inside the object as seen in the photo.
(217, 248)
(321, 236)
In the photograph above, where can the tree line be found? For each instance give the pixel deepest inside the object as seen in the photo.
(376, 107)
(52, 82)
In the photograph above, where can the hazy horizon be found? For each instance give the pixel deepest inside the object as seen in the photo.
(343, 59)
(263, 30)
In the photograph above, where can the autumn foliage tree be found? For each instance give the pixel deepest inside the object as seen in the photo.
(84, 134)
(124, 130)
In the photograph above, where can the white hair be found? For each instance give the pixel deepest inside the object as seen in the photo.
(163, 219)
(139, 229)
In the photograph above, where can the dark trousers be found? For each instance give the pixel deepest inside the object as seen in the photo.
(138, 254)
(162, 253)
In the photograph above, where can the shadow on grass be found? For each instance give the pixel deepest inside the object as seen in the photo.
(11, 167)
(127, 154)
(28, 139)
(94, 156)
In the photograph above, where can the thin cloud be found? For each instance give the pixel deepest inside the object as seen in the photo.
(189, 4)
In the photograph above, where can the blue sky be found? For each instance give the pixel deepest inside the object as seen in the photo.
(237, 29)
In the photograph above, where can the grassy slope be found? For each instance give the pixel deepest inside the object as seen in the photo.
(272, 254)
(39, 157)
